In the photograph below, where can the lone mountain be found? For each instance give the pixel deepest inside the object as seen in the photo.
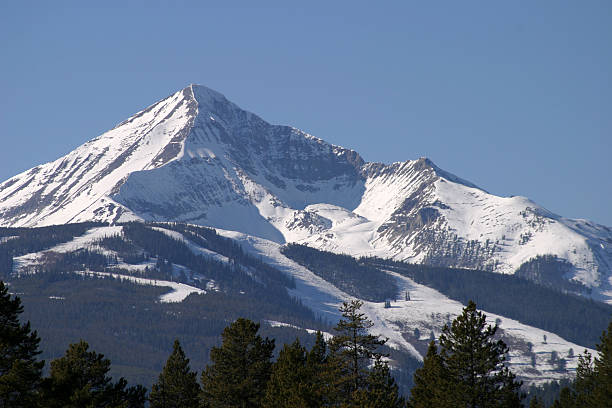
(196, 157)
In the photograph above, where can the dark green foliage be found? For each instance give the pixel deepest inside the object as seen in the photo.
(567, 399)
(125, 249)
(177, 386)
(20, 372)
(261, 279)
(21, 241)
(592, 387)
(574, 318)
(602, 392)
(6, 262)
(380, 390)
(78, 260)
(352, 349)
(548, 270)
(291, 382)
(429, 381)
(240, 368)
(110, 313)
(80, 379)
(472, 365)
(546, 393)
(208, 238)
(536, 403)
(342, 378)
(475, 363)
(344, 272)
(126, 322)
(317, 373)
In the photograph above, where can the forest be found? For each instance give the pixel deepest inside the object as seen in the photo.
(466, 367)
(343, 271)
(65, 306)
(574, 318)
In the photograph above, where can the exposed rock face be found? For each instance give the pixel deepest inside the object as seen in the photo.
(197, 157)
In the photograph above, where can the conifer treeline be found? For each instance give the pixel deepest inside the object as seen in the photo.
(466, 369)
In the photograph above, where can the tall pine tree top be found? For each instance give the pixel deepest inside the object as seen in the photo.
(20, 372)
(429, 381)
(353, 348)
(470, 370)
(290, 383)
(602, 394)
(240, 368)
(475, 362)
(81, 379)
(177, 386)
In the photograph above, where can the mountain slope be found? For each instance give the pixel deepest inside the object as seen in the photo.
(231, 274)
(197, 157)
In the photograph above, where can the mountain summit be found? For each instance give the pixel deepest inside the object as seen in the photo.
(196, 157)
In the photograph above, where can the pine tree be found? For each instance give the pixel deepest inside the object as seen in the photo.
(536, 403)
(380, 391)
(602, 371)
(352, 349)
(290, 383)
(593, 385)
(177, 386)
(474, 363)
(567, 399)
(585, 381)
(20, 372)
(80, 379)
(321, 378)
(429, 381)
(240, 368)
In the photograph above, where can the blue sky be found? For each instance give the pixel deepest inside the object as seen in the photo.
(514, 96)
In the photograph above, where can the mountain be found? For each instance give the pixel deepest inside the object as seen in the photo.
(196, 157)
(131, 289)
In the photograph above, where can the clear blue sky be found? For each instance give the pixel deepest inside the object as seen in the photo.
(515, 96)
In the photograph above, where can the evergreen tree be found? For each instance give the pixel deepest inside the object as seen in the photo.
(353, 349)
(240, 368)
(321, 378)
(567, 399)
(177, 386)
(429, 381)
(80, 379)
(475, 363)
(290, 382)
(20, 372)
(536, 403)
(380, 391)
(470, 369)
(585, 381)
(593, 385)
(317, 356)
(602, 372)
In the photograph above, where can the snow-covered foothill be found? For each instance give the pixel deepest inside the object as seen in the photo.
(427, 310)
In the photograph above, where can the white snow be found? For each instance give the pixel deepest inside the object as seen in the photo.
(196, 249)
(85, 241)
(177, 161)
(179, 291)
(273, 323)
(427, 310)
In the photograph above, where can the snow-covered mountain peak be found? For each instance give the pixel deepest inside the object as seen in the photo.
(197, 157)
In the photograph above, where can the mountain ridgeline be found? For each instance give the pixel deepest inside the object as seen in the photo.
(193, 213)
(197, 158)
